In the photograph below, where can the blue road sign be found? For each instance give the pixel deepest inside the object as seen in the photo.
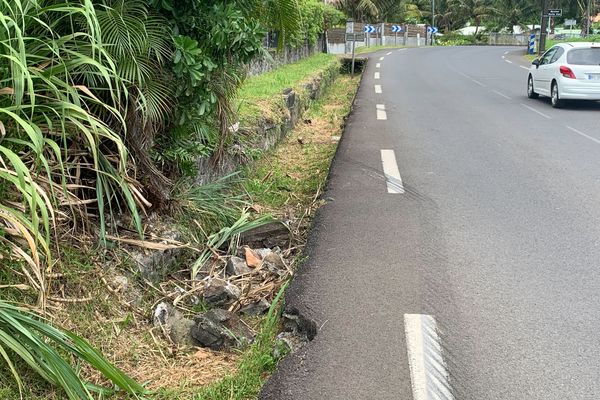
(396, 28)
(369, 29)
(432, 29)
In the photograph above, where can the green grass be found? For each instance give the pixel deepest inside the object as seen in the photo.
(258, 362)
(552, 42)
(262, 93)
(370, 49)
(288, 76)
(294, 173)
(591, 38)
(291, 174)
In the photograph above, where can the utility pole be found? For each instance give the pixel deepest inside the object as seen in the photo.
(544, 27)
(589, 20)
(433, 18)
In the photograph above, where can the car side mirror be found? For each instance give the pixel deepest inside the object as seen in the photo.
(536, 62)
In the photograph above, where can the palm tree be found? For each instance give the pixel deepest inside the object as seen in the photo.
(417, 11)
(511, 13)
(359, 10)
(475, 11)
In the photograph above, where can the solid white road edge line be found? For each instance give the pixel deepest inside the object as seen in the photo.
(428, 373)
(536, 111)
(377, 75)
(477, 82)
(378, 65)
(391, 172)
(593, 139)
(501, 94)
(378, 89)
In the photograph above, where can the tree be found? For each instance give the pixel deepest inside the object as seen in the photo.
(511, 13)
(475, 11)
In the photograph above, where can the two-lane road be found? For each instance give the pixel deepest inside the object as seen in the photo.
(459, 256)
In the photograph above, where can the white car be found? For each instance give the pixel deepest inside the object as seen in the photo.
(567, 71)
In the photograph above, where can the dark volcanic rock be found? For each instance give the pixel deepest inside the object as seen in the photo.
(220, 329)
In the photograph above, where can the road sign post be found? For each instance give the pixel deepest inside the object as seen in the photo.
(395, 30)
(353, 53)
(368, 30)
(431, 30)
(570, 23)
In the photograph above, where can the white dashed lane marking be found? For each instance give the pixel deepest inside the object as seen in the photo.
(381, 114)
(391, 172)
(536, 111)
(428, 372)
(377, 76)
(501, 94)
(378, 89)
(593, 139)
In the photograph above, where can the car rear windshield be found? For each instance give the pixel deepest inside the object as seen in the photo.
(589, 56)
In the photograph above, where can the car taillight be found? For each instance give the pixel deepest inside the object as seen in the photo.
(566, 72)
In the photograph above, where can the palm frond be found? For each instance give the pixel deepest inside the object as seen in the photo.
(37, 343)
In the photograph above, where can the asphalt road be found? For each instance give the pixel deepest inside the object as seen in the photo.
(496, 236)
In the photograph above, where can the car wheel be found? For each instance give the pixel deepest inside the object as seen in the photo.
(555, 98)
(530, 91)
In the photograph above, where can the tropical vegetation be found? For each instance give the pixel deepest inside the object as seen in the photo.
(450, 15)
(105, 108)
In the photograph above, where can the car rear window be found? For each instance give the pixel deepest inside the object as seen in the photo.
(589, 56)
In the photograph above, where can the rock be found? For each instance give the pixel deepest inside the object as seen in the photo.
(220, 329)
(258, 308)
(268, 235)
(219, 292)
(252, 259)
(180, 332)
(262, 253)
(173, 323)
(275, 259)
(287, 342)
(154, 265)
(120, 283)
(294, 321)
(237, 266)
(162, 313)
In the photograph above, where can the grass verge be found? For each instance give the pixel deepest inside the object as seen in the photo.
(289, 178)
(262, 93)
(257, 363)
(370, 49)
(287, 181)
(90, 300)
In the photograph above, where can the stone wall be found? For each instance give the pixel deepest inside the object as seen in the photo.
(270, 129)
(508, 39)
(289, 55)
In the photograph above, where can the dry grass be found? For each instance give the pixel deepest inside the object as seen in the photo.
(125, 336)
(288, 180)
(116, 319)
